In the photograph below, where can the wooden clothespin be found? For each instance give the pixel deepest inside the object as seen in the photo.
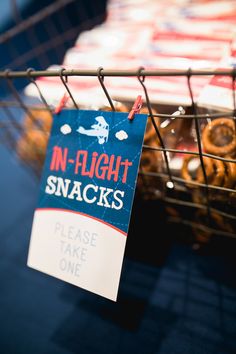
(62, 103)
(136, 107)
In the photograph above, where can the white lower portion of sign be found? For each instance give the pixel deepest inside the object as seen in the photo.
(78, 249)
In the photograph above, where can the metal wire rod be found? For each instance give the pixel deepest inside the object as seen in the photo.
(9, 138)
(101, 81)
(141, 79)
(32, 80)
(41, 49)
(222, 114)
(12, 119)
(202, 227)
(64, 82)
(197, 205)
(17, 105)
(118, 73)
(196, 153)
(161, 115)
(184, 182)
(199, 144)
(32, 20)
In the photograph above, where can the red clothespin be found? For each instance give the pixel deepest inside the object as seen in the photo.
(136, 107)
(62, 103)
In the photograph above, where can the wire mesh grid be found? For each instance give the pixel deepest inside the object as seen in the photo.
(202, 197)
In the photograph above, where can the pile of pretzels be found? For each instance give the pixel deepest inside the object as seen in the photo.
(218, 139)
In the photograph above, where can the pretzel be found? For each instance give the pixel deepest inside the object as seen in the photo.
(214, 171)
(185, 171)
(230, 174)
(218, 137)
(214, 168)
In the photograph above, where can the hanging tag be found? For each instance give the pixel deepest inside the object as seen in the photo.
(86, 195)
(136, 107)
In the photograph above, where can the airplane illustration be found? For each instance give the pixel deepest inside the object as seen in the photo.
(99, 129)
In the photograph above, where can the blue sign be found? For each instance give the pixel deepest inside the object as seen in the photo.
(89, 179)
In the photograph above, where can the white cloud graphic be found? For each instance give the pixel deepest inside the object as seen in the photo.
(121, 135)
(65, 129)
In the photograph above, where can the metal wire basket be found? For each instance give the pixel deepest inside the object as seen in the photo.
(202, 202)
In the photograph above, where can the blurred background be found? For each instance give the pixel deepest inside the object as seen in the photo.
(178, 289)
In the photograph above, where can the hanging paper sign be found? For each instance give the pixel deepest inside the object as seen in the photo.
(88, 183)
